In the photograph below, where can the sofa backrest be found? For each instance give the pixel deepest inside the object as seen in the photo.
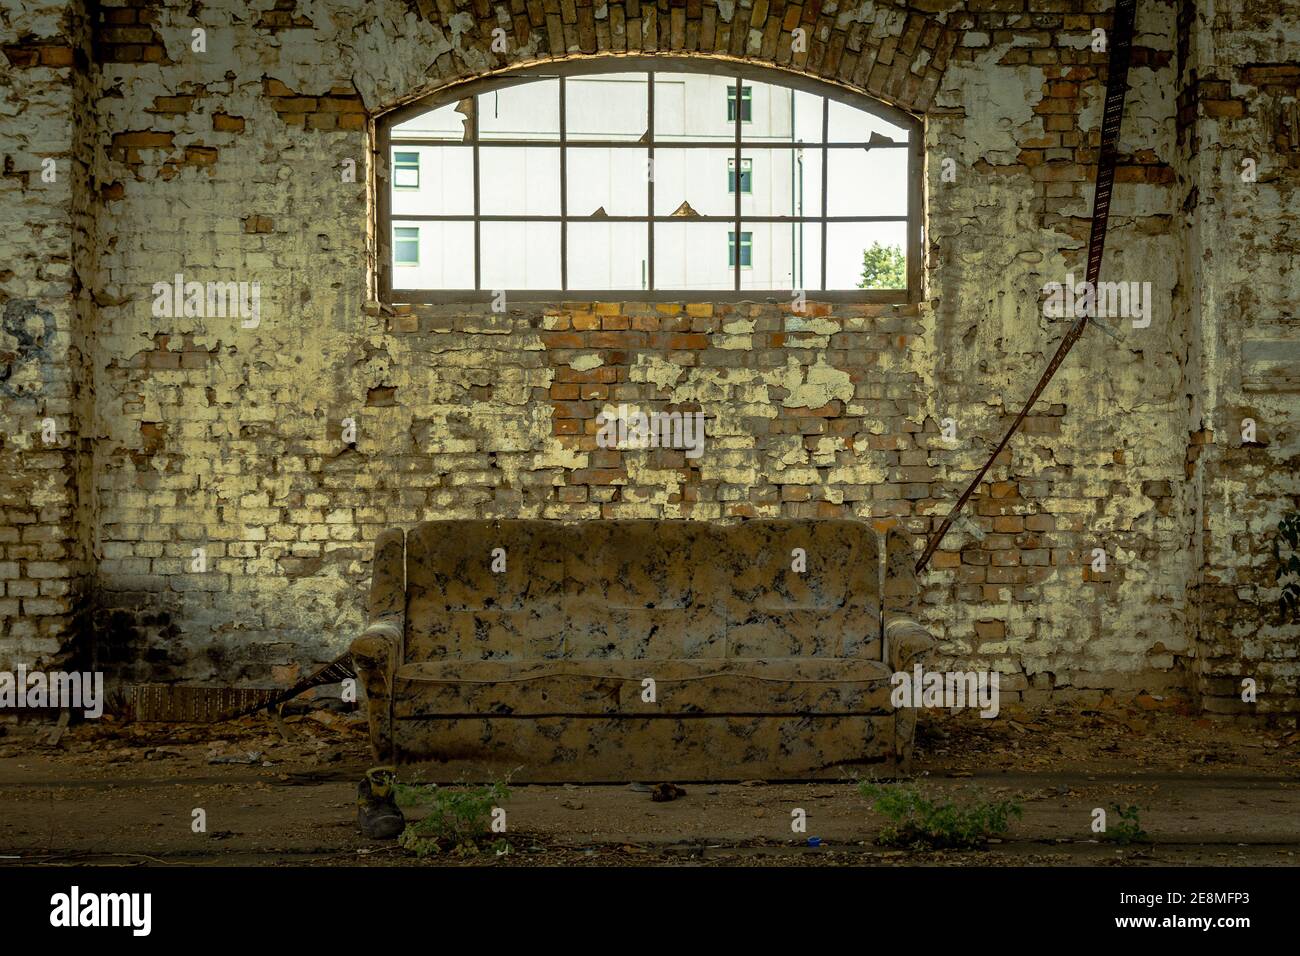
(642, 589)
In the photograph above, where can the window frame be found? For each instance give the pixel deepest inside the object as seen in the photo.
(735, 249)
(746, 176)
(405, 239)
(415, 166)
(746, 100)
(382, 144)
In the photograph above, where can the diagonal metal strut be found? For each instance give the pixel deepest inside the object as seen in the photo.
(1121, 48)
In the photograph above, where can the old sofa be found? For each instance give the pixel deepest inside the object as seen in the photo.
(540, 669)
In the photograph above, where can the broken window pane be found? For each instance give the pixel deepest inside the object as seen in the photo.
(692, 106)
(612, 179)
(524, 111)
(848, 124)
(694, 176)
(607, 106)
(445, 122)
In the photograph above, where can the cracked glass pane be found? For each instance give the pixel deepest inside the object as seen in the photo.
(523, 111)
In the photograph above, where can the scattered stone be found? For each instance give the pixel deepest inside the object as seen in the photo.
(667, 791)
(250, 757)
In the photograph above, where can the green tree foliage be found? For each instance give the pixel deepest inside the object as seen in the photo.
(883, 267)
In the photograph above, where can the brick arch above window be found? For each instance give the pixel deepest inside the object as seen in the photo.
(895, 52)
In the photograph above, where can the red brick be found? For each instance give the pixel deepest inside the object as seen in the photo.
(56, 57)
(688, 341)
(144, 139)
(1225, 109)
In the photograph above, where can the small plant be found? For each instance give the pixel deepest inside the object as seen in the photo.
(1128, 828)
(1288, 530)
(458, 821)
(925, 822)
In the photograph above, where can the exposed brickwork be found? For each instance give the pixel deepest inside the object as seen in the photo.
(1239, 161)
(206, 433)
(128, 33)
(44, 487)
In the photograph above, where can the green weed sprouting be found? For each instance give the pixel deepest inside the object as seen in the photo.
(1128, 829)
(922, 821)
(459, 819)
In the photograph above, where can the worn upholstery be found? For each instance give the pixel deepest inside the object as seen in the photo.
(475, 669)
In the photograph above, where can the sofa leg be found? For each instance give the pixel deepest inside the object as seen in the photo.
(381, 736)
(904, 738)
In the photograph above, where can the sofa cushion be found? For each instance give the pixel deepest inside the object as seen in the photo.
(829, 609)
(643, 590)
(459, 608)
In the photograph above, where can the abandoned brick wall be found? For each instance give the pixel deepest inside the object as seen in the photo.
(44, 471)
(1239, 145)
(225, 165)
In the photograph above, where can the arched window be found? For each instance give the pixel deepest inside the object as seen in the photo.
(649, 179)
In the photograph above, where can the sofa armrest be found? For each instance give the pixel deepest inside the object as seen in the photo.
(377, 655)
(380, 648)
(387, 603)
(905, 640)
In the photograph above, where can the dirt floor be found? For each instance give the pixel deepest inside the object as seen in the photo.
(282, 792)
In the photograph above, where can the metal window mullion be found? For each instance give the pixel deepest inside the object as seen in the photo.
(478, 211)
(751, 218)
(826, 170)
(740, 92)
(639, 144)
(384, 227)
(564, 188)
(650, 182)
(915, 220)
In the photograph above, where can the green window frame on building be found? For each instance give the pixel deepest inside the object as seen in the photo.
(406, 245)
(406, 170)
(746, 176)
(746, 104)
(746, 250)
